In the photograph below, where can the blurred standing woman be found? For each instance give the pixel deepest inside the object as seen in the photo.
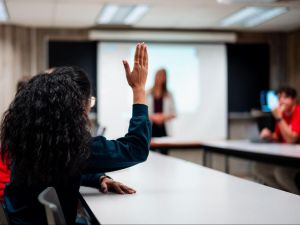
(161, 106)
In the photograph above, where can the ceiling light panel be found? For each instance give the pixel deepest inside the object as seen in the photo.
(253, 16)
(3, 11)
(121, 14)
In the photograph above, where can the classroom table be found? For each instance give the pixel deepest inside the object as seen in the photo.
(275, 153)
(173, 191)
(175, 143)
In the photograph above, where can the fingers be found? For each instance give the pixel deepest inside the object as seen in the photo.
(127, 189)
(118, 189)
(104, 187)
(126, 67)
(141, 60)
(137, 54)
(141, 54)
(145, 60)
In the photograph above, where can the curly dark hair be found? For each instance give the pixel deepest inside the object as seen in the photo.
(44, 133)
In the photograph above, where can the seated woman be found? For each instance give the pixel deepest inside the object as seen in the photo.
(98, 180)
(45, 135)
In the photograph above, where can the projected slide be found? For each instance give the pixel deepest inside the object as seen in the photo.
(196, 76)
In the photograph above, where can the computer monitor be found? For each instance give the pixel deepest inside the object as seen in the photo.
(268, 100)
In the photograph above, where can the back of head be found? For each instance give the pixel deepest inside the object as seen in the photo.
(22, 82)
(44, 131)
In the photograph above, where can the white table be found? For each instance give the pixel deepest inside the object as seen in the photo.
(276, 153)
(173, 191)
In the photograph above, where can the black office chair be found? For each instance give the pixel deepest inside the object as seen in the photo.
(3, 218)
(53, 209)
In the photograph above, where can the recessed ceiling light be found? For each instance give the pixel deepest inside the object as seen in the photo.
(107, 13)
(267, 15)
(245, 1)
(137, 13)
(121, 14)
(253, 16)
(3, 11)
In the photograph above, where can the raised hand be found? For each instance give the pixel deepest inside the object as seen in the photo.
(138, 76)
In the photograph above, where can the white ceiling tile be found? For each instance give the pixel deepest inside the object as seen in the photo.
(76, 13)
(285, 22)
(31, 13)
(162, 14)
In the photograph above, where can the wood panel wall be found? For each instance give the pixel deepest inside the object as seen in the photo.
(15, 60)
(293, 60)
(24, 51)
(278, 53)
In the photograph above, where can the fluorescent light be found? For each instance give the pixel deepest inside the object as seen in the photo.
(3, 11)
(253, 16)
(137, 13)
(241, 16)
(107, 13)
(121, 14)
(245, 1)
(266, 16)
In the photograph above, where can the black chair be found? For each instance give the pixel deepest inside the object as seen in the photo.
(52, 205)
(3, 218)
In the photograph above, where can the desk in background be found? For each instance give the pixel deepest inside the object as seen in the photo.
(275, 153)
(173, 191)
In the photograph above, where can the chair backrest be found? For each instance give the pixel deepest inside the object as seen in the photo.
(53, 209)
(3, 218)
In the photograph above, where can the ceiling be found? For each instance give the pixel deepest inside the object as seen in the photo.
(171, 14)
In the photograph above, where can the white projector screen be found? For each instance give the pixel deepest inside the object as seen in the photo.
(197, 77)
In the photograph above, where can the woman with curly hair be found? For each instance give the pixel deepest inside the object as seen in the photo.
(98, 180)
(45, 135)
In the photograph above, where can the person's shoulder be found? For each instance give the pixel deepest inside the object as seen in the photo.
(297, 109)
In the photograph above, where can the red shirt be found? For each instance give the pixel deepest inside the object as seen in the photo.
(293, 121)
(4, 178)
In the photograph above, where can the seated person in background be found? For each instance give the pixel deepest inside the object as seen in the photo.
(45, 135)
(4, 177)
(287, 130)
(287, 116)
(4, 170)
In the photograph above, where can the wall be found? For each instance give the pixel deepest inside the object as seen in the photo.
(16, 54)
(23, 51)
(278, 49)
(293, 58)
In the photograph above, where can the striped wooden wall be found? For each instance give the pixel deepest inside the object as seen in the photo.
(15, 60)
(293, 60)
(24, 51)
